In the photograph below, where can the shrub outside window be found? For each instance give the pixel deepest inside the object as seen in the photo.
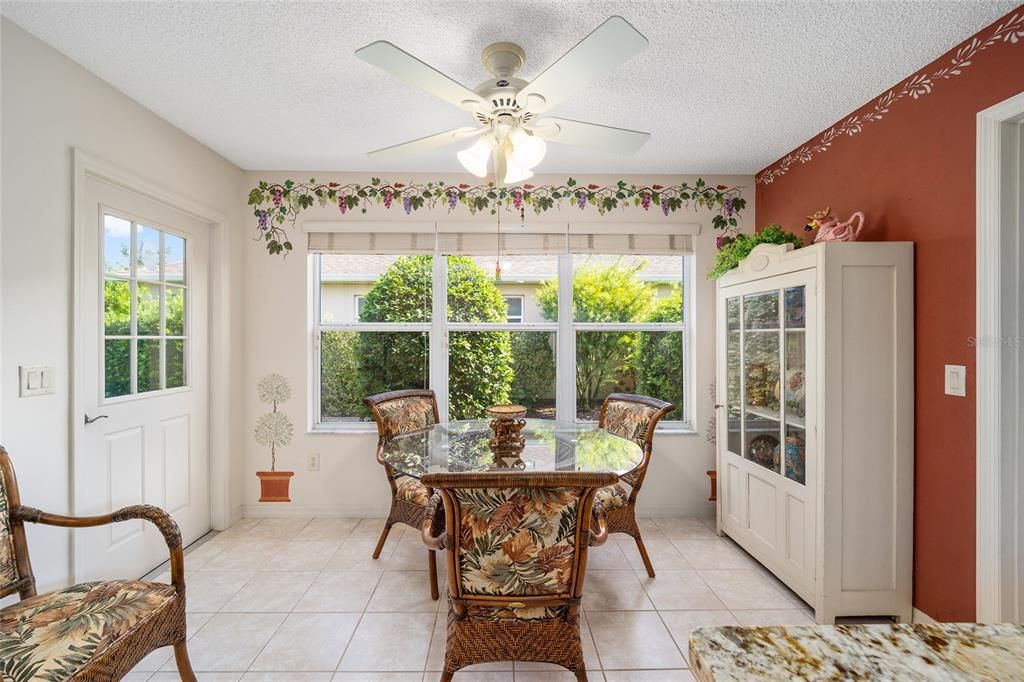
(480, 333)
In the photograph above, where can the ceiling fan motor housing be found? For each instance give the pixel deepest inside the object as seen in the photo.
(503, 60)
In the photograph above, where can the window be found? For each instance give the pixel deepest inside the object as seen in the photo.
(628, 328)
(515, 309)
(382, 343)
(145, 298)
(480, 336)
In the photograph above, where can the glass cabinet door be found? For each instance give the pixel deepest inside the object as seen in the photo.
(795, 384)
(733, 384)
(766, 360)
(762, 367)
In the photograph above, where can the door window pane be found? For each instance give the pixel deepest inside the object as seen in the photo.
(174, 258)
(174, 315)
(141, 309)
(117, 307)
(117, 245)
(356, 364)
(175, 349)
(148, 365)
(147, 253)
(117, 367)
(147, 306)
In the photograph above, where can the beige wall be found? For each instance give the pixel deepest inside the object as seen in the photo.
(50, 106)
(349, 480)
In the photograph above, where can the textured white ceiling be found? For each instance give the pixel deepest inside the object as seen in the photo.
(726, 86)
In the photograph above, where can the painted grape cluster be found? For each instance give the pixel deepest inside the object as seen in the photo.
(277, 205)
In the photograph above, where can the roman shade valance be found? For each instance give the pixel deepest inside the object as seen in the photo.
(476, 239)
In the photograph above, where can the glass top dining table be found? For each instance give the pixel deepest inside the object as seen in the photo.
(462, 446)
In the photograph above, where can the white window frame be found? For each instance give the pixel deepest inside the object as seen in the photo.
(439, 328)
(355, 305)
(522, 308)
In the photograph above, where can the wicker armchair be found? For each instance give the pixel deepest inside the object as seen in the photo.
(517, 556)
(398, 412)
(91, 631)
(633, 417)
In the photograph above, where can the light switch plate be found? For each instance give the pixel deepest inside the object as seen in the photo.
(35, 380)
(956, 380)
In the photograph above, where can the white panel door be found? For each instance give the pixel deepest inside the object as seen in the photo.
(766, 435)
(140, 377)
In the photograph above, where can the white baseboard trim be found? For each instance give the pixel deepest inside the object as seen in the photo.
(286, 510)
(236, 515)
(922, 617)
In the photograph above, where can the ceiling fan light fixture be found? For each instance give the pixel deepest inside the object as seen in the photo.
(474, 158)
(527, 150)
(515, 171)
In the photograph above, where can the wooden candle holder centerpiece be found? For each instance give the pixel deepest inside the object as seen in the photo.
(507, 422)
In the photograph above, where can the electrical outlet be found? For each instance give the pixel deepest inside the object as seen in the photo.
(314, 462)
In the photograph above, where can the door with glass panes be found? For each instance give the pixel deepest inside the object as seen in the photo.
(766, 424)
(140, 378)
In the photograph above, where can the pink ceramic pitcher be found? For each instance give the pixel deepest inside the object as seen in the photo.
(831, 230)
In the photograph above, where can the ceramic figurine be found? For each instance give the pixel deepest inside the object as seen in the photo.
(831, 230)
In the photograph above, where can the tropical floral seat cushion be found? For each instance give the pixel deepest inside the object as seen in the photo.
(412, 491)
(403, 415)
(517, 541)
(628, 419)
(613, 497)
(52, 636)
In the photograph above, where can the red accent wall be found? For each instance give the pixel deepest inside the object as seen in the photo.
(913, 174)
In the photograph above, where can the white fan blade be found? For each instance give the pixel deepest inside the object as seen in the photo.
(590, 135)
(398, 62)
(609, 45)
(426, 143)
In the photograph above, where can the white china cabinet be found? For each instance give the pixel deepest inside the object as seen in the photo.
(816, 421)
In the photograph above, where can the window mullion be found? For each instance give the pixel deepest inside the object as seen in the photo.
(565, 361)
(439, 334)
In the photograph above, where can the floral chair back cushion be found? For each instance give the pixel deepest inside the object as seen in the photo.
(402, 415)
(8, 568)
(517, 541)
(629, 419)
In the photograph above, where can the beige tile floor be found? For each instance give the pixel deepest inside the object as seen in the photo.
(301, 600)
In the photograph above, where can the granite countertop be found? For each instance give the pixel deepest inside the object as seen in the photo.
(943, 651)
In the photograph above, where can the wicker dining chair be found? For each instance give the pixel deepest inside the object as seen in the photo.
(517, 555)
(398, 412)
(90, 632)
(633, 417)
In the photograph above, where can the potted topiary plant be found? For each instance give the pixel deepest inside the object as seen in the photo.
(732, 250)
(274, 430)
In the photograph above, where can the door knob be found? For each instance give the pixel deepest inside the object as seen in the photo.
(719, 406)
(90, 420)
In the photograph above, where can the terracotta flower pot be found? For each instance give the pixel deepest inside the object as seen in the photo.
(274, 485)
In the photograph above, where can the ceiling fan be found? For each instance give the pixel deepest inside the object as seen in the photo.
(509, 112)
